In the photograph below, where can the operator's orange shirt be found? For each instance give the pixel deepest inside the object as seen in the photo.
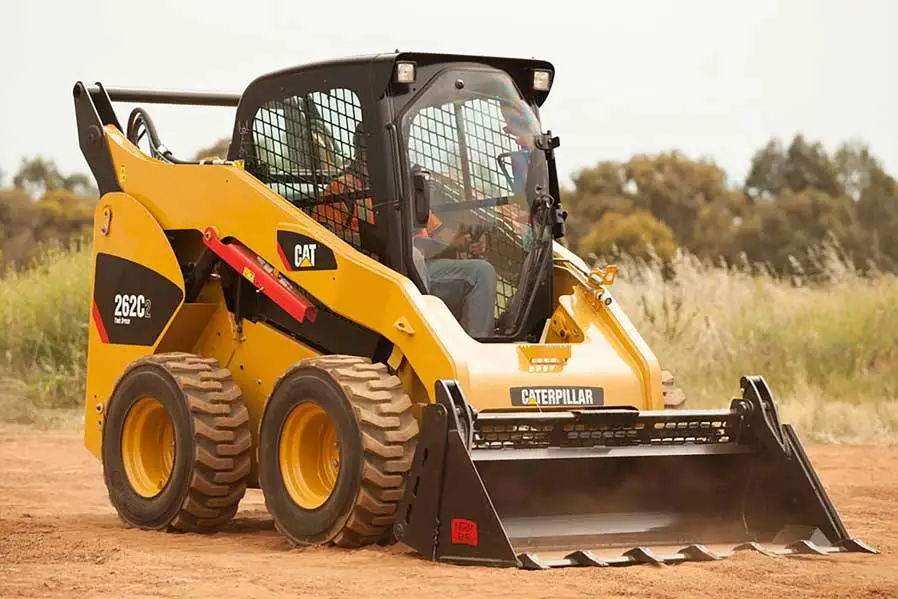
(433, 225)
(337, 214)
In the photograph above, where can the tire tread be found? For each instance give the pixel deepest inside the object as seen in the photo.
(222, 441)
(389, 434)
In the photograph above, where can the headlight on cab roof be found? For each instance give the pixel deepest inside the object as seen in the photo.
(542, 80)
(405, 72)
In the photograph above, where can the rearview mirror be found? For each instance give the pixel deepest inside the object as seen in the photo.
(514, 167)
(421, 183)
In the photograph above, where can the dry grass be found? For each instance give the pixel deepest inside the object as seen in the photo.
(828, 348)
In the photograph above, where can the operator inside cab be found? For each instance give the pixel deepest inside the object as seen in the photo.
(451, 255)
(470, 282)
(454, 259)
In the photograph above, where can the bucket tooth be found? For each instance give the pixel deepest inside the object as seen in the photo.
(699, 553)
(643, 555)
(585, 558)
(857, 546)
(753, 546)
(531, 561)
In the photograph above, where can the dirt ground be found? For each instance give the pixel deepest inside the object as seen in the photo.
(59, 537)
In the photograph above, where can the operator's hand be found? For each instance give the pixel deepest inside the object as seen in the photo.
(461, 240)
(478, 248)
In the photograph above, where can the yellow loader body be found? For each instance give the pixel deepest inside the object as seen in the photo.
(278, 320)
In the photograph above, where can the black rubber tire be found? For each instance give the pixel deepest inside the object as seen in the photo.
(377, 433)
(210, 423)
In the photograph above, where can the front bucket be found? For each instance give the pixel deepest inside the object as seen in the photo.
(613, 487)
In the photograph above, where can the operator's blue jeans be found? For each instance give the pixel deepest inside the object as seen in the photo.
(471, 283)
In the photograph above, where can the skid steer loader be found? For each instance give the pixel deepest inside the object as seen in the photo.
(365, 310)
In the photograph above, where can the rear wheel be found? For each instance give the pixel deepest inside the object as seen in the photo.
(176, 444)
(336, 442)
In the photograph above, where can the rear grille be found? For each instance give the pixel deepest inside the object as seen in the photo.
(495, 431)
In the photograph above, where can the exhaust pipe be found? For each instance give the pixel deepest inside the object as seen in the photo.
(613, 487)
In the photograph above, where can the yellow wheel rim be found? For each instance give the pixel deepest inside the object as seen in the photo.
(309, 455)
(148, 447)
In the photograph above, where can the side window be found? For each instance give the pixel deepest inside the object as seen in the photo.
(281, 140)
(433, 145)
(339, 113)
(311, 150)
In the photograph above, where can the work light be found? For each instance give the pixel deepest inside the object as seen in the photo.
(542, 80)
(405, 72)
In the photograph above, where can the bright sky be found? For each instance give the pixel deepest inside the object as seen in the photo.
(713, 78)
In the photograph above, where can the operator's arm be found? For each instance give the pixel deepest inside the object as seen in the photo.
(459, 239)
(439, 241)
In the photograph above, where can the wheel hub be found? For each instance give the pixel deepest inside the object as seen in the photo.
(148, 447)
(309, 455)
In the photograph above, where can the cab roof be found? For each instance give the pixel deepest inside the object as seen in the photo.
(380, 67)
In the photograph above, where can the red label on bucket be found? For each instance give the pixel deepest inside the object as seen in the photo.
(464, 532)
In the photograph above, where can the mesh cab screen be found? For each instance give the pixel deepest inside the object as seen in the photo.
(311, 150)
(472, 161)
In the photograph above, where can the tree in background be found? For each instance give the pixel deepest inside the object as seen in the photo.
(217, 150)
(793, 227)
(596, 191)
(794, 200)
(688, 198)
(43, 207)
(875, 194)
(799, 167)
(37, 176)
(804, 196)
(637, 234)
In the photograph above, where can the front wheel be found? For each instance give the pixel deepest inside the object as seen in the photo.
(336, 442)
